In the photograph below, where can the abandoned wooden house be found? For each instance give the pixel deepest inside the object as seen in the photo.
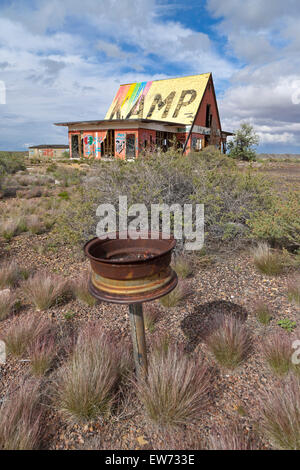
(147, 115)
(55, 151)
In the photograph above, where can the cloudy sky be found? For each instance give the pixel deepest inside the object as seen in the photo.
(63, 60)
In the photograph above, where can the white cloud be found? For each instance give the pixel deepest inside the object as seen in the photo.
(55, 72)
(265, 36)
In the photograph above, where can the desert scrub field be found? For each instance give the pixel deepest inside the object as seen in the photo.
(220, 347)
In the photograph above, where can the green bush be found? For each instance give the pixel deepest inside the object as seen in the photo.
(242, 146)
(64, 195)
(11, 162)
(279, 224)
(229, 196)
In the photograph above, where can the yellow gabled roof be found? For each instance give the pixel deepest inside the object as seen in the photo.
(173, 100)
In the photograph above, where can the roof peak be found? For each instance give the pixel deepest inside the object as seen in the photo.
(170, 78)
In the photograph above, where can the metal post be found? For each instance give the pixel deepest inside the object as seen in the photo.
(138, 338)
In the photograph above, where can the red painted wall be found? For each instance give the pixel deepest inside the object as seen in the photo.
(47, 152)
(120, 142)
(208, 98)
(92, 141)
(147, 136)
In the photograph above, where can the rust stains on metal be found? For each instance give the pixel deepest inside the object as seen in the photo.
(127, 271)
(131, 271)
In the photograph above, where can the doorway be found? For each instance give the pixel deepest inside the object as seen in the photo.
(130, 146)
(75, 146)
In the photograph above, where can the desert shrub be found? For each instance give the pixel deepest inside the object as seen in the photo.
(280, 414)
(183, 266)
(293, 288)
(151, 316)
(279, 224)
(9, 229)
(86, 384)
(43, 290)
(9, 192)
(34, 192)
(7, 302)
(21, 418)
(277, 351)
(34, 180)
(176, 389)
(34, 224)
(67, 176)
(51, 168)
(229, 341)
(232, 437)
(262, 312)
(81, 292)
(229, 196)
(267, 261)
(64, 195)
(176, 296)
(11, 162)
(21, 332)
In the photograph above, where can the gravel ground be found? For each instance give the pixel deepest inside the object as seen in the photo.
(230, 284)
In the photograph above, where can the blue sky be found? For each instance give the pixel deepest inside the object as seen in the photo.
(63, 60)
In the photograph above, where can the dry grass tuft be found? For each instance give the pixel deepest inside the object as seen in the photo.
(21, 418)
(151, 316)
(44, 290)
(7, 303)
(262, 312)
(174, 298)
(35, 225)
(182, 266)
(9, 228)
(86, 385)
(232, 437)
(229, 342)
(280, 415)
(160, 345)
(81, 292)
(23, 331)
(277, 350)
(268, 261)
(294, 290)
(9, 274)
(42, 352)
(175, 391)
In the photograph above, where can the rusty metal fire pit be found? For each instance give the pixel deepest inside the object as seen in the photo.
(128, 271)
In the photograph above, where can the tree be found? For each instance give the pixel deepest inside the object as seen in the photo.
(243, 143)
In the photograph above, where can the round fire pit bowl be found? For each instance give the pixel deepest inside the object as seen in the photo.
(128, 271)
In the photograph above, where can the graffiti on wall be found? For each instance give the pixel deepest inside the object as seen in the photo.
(88, 142)
(92, 144)
(172, 100)
(120, 143)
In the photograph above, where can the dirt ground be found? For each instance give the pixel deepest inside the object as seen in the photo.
(283, 174)
(230, 284)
